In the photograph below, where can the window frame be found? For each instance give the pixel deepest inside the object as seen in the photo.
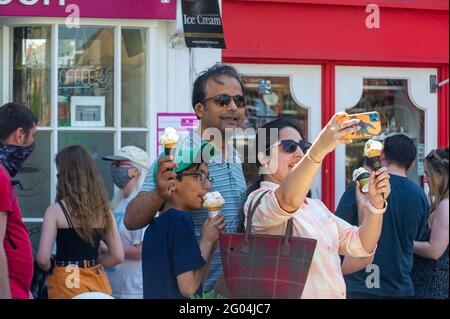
(151, 29)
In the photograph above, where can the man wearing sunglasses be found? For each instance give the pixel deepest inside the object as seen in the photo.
(219, 103)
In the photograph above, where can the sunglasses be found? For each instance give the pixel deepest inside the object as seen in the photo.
(291, 146)
(224, 100)
(202, 178)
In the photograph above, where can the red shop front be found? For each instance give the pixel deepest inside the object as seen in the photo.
(306, 60)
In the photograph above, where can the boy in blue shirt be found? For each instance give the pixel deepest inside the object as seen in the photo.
(174, 264)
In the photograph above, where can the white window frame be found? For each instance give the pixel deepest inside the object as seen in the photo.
(154, 50)
(349, 89)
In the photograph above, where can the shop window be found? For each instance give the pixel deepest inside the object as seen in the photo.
(86, 77)
(98, 145)
(31, 70)
(133, 78)
(398, 114)
(268, 98)
(34, 176)
(137, 139)
(34, 230)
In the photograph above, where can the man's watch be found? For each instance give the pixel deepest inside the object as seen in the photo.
(377, 211)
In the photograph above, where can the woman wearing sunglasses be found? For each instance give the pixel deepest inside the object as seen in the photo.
(288, 168)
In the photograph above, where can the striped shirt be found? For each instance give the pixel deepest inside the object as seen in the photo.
(229, 181)
(312, 220)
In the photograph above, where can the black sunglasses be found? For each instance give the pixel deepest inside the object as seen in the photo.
(223, 100)
(290, 146)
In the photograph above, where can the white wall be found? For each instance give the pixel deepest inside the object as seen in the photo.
(184, 63)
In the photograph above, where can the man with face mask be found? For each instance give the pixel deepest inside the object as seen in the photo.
(128, 170)
(17, 132)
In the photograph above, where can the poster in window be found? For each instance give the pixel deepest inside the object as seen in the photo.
(87, 111)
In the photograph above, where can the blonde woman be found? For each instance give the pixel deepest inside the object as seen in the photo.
(430, 273)
(79, 219)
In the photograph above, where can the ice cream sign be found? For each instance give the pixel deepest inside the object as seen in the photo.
(110, 9)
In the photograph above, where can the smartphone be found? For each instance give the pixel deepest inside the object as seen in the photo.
(369, 122)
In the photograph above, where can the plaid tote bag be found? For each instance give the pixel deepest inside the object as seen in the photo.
(265, 266)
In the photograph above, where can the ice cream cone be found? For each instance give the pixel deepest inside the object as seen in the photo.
(364, 184)
(214, 211)
(372, 150)
(213, 202)
(169, 150)
(362, 176)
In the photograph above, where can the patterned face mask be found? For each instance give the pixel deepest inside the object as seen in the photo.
(120, 176)
(12, 156)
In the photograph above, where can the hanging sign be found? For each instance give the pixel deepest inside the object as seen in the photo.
(202, 24)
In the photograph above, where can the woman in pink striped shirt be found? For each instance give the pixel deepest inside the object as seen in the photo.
(288, 168)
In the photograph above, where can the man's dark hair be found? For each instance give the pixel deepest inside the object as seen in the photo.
(399, 149)
(215, 72)
(365, 161)
(14, 116)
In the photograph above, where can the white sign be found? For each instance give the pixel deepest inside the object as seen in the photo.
(87, 111)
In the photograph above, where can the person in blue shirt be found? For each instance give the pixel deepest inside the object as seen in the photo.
(219, 103)
(174, 263)
(404, 222)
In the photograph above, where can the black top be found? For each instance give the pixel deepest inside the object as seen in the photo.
(430, 277)
(71, 247)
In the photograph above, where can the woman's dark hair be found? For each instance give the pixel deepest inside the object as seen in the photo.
(400, 150)
(278, 124)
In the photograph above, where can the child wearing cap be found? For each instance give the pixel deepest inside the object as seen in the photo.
(128, 169)
(174, 264)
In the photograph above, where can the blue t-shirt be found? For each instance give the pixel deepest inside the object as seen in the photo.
(170, 248)
(404, 221)
(229, 181)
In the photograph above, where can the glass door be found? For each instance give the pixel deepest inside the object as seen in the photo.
(291, 92)
(403, 99)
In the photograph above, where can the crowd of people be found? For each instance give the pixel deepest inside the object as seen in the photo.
(156, 240)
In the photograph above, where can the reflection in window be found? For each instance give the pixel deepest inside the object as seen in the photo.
(34, 176)
(133, 78)
(398, 114)
(34, 230)
(85, 69)
(268, 98)
(137, 139)
(98, 145)
(31, 70)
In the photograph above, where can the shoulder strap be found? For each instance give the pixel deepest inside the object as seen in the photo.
(251, 212)
(69, 221)
(252, 207)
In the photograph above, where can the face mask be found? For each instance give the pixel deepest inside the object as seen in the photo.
(120, 176)
(13, 156)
